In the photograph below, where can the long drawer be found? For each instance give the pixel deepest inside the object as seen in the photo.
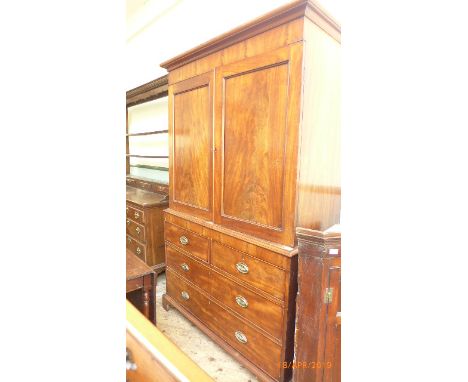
(136, 230)
(189, 297)
(188, 268)
(253, 345)
(255, 272)
(137, 248)
(253, 307)
(197, 245)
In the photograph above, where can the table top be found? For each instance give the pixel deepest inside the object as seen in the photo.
(145, 198)
(136, 267)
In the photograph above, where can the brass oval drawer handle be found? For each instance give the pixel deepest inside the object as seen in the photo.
(183, 240)
(241, 337)
(138, 230)
(242, 302)
(126, 208)
(185, 295)
(242, 268)
(138, 251)
(185, 267)
(137, 215)
(129, 240)
(128, 221)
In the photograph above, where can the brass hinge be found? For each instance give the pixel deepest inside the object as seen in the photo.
(328, 296)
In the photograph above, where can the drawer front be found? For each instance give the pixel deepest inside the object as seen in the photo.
(191, 299)
(250, 270)
(258, 310)
(260, 350)
(135, 214)
(137, 248)
(188, 268)
(134, 284)
(136, 230)
(198, 246)
(257, 348)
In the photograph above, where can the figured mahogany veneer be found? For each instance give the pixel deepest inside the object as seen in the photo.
(254, 136)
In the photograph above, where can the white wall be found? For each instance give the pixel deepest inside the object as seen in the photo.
(161, 29)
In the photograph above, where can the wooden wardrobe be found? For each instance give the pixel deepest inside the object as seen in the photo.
(254, 152)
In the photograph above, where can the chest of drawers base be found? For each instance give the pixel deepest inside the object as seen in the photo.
(144, 226)
(236, 290)
(169, 302)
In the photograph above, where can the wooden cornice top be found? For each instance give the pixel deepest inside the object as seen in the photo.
(147, 92)
(279, 16)
(332, 235)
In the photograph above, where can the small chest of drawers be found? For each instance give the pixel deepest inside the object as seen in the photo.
(237, 290)
(144, 226)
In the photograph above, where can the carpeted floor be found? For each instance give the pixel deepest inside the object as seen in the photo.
(209, 356)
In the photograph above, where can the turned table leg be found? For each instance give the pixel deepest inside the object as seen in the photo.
(146, 300)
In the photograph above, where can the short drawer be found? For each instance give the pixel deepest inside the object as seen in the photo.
(250, 270)
(252, 344)
(137, 248)
(253, 307)
(190, 298)
(196, 245)
(188, 268)
(136, 230)
(135, 214)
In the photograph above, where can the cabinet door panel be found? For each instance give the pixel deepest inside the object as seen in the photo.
(257, 119)
(190, 132)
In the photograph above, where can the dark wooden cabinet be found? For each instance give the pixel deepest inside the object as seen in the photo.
(318, 322)
(144, 225)
(254, 153)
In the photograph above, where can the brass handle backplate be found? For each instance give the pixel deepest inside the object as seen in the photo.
(129, 240)
(183, 240)
(185, 267)
(138, 250)
(185, 295)
(242, 301)
(137, 215)
(241, 337)
(138, 230)
(128, 221)
(242, 268)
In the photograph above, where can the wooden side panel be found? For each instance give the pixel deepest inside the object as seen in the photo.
(316, 341)
(319, 188)
(332, 369)
(257, 115)
(190, 136)
(156, 358)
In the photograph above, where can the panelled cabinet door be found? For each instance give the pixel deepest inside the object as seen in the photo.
(257, 116)
(190, 145)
